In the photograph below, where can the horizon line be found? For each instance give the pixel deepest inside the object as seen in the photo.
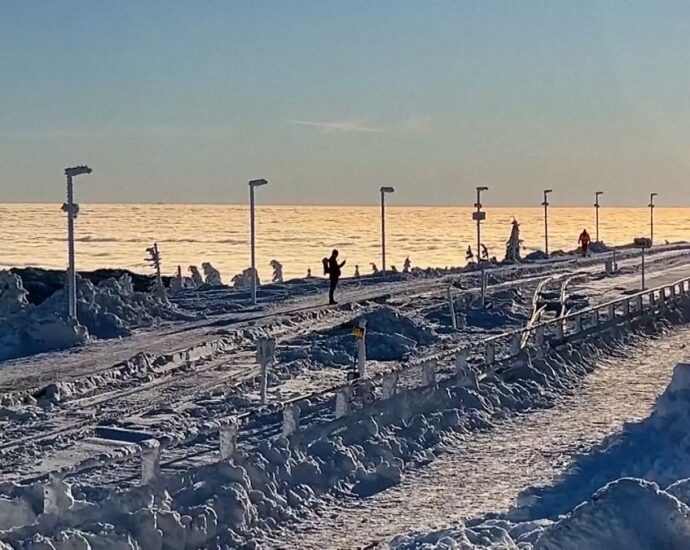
(339, 205)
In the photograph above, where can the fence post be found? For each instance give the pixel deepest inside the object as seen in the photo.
(150, 461)
(490, 353)
(560, 330)
(626, 307)
(362, 350)
(228, 438)
(290, 420)
(342, 402)
(611, 312)
(265, 355)
(429, 373)
(640, 304)
(451, 304)
(578, 323)
(389, 386)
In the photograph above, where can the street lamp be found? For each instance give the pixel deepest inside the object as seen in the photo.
(545, 204)
(596, 212)
(651, 216)
(252, 185)
(479, 216)
(72, 210)
(384, 190)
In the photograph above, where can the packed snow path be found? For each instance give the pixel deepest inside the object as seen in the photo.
(484, 472)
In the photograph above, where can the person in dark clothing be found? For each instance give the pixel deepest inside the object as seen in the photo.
(334, 274)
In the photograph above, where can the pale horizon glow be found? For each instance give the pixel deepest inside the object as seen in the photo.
(179, 102)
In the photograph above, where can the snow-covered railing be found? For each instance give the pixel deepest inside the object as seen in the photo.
(487, 355)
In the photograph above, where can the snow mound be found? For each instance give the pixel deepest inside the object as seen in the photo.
(627, 513)
(109, 310)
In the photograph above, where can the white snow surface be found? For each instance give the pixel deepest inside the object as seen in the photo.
(627, 513)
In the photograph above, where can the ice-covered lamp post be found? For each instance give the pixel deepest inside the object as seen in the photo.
(252, 228)
(596, 213)
(384, 190)
(72, 210)
(545, 204)
(479, 216)
(651, 216)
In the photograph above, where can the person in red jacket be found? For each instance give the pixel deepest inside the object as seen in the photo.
(584, 241)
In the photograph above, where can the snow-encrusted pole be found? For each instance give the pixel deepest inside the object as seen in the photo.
(72, 210)
(252, 230)
(545, 204)
(479, 216)
(384, 190)
(451, 305)
(265, 356)
(651, 216)
(360, 332)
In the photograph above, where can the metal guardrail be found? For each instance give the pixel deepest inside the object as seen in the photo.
(550, 333)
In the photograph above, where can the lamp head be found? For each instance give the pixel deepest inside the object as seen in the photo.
(653, 194)
(598, 193)
(482, 188)
(77, 171)
(546, 191)
(387, 189)
(257, 183)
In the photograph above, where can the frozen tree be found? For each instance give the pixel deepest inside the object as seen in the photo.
(244, 279)
(277, 271)
(197, 280)
(12, 293)
(469, 255)
(357, 275)
(177, 282)
(154, 261)
(211, 274)
(126, 283)
(513, 244)
(374, 269)
(407, 265)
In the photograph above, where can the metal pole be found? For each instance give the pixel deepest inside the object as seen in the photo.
(643, 269)
(253, 242)
(651, 216)
(546, 221)
(71, 272)
(383, 231)
(479, 238)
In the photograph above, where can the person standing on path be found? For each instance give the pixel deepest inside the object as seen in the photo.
(333, 269)
(584, 240)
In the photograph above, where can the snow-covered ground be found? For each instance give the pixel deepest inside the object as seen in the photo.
(171, 379)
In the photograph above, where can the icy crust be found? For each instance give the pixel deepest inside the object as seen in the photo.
(228, 505)
(626, 513)
(109, 310)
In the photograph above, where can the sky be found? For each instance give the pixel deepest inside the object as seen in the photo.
(180, 101)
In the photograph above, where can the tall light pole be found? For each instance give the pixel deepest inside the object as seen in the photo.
(596, 212)
(72, 210)
(384, 190)
(479, 216)
(252, 229)
(545, 204)
(651, 216)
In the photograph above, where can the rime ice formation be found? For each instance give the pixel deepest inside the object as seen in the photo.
(277, 271)
(197, 279)
(513, 244)
(407, 265)
(108, 310)
(244, 279)
(177, 282)
(211, 274)
(12, 293)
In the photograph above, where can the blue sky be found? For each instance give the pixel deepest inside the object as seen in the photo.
(186, 101)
